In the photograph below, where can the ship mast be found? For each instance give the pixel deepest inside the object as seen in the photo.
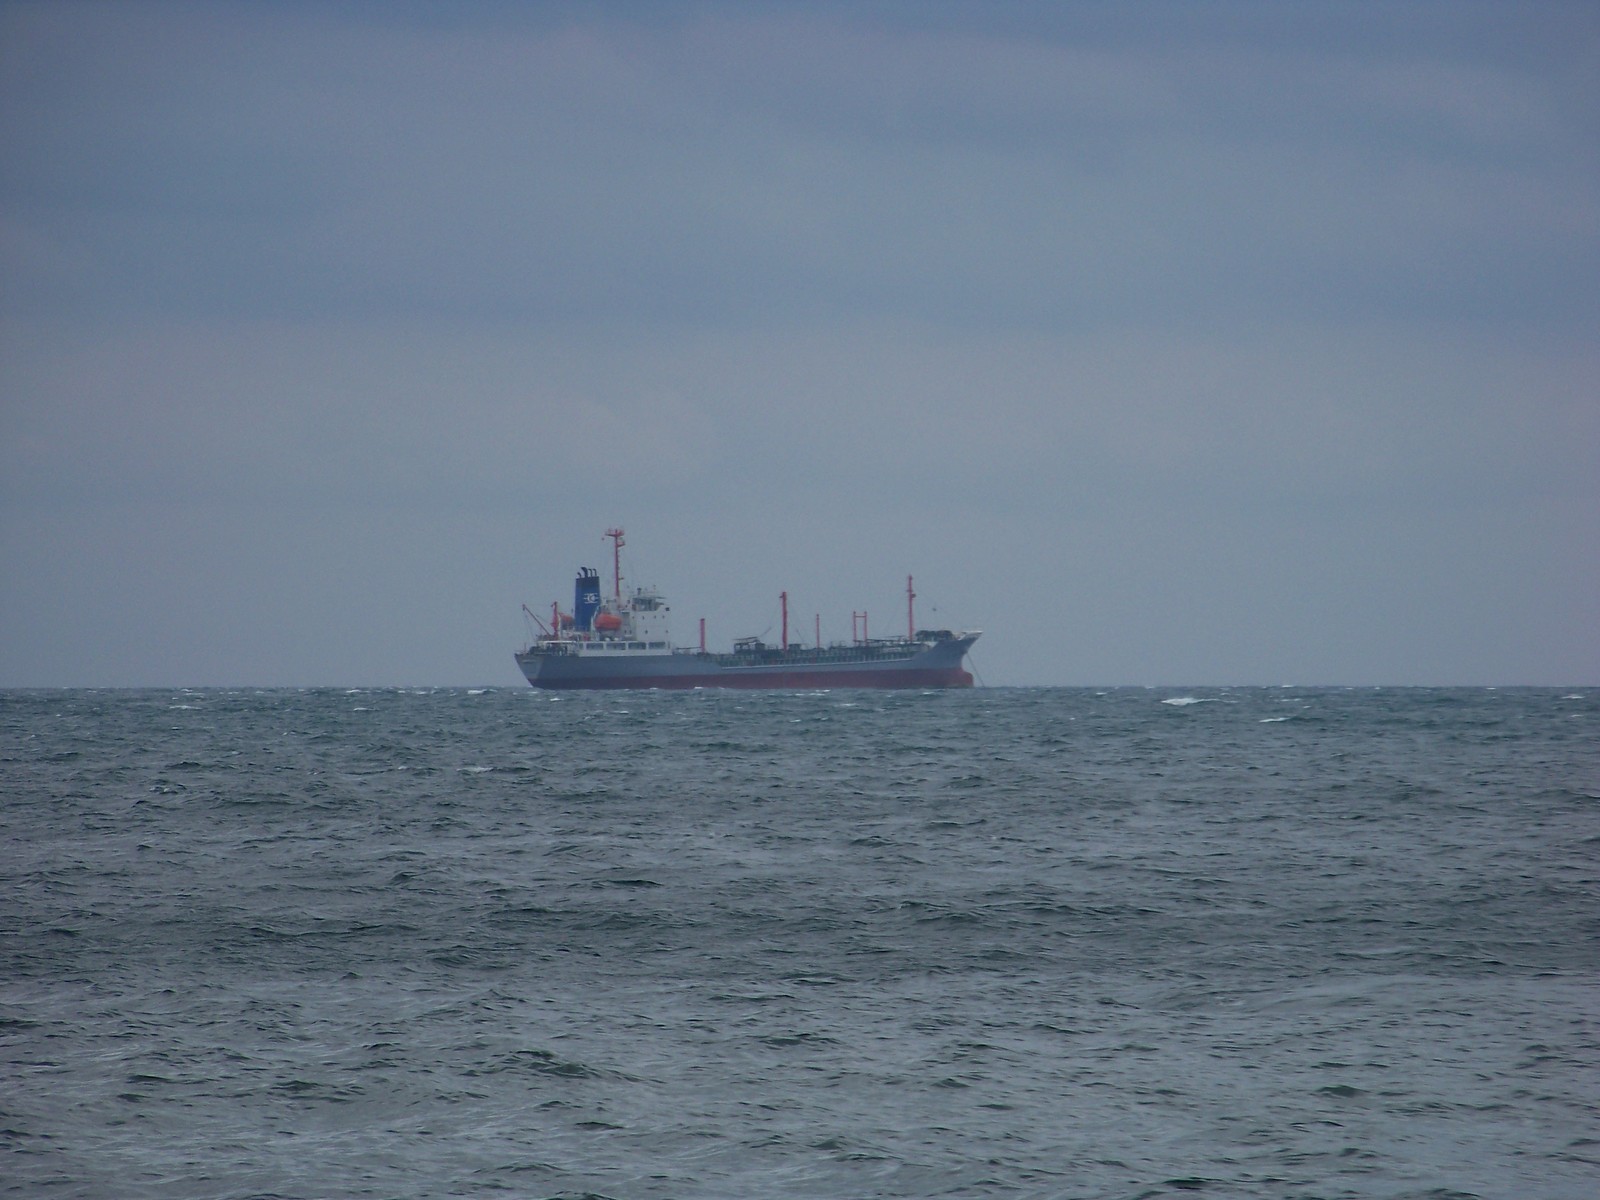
(616, 560)
(911, 620)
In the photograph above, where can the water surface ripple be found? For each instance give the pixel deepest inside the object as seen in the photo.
(996, 943)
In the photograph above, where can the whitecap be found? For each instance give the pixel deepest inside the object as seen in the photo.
(1180, 701)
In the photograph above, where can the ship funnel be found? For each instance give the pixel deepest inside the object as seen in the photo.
(586, 598)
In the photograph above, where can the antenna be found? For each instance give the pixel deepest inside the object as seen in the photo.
(616, 560)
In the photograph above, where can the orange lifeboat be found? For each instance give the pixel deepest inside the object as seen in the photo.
(607, 622)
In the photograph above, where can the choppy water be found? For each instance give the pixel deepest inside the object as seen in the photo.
(995, 943)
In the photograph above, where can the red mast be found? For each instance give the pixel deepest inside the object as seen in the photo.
(616, 560)
(911, 620)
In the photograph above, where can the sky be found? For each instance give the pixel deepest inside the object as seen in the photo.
(1166, 343)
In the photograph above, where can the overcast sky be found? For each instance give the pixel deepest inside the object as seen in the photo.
(1165, 343)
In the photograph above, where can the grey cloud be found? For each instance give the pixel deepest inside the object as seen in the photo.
(797, 167)
(1243, 341)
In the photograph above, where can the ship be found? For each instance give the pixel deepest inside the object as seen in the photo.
(624, 641)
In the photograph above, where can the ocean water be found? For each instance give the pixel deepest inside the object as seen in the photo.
(991, 943)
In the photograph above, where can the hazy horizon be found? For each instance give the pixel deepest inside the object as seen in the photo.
(1238, 343)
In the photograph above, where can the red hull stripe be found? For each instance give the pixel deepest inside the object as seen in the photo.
(951, 677)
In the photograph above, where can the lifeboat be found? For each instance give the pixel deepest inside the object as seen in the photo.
(607, 622)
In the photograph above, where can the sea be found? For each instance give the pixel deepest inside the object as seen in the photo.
(1124, 943)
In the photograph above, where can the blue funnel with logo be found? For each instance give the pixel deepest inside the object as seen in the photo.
(586, 598)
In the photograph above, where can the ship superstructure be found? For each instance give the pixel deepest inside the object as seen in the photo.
(624, 641)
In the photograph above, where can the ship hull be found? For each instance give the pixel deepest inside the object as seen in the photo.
(936, 665)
